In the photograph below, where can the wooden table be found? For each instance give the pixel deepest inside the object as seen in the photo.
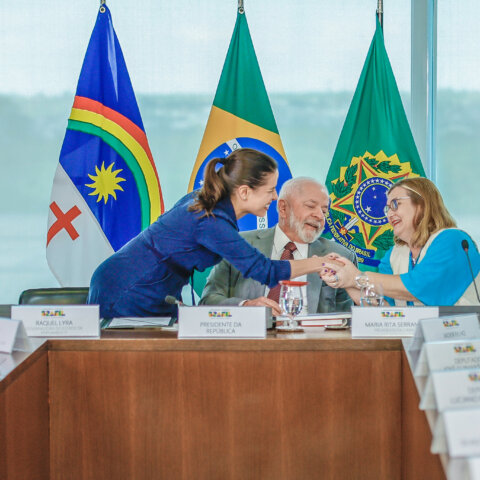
(144, 405)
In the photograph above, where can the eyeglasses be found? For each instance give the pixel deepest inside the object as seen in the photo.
(393, 205)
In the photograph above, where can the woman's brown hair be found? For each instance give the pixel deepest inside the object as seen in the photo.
(432, 215)
(244, 166)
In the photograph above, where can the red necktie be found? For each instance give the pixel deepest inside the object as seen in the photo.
(287, 254)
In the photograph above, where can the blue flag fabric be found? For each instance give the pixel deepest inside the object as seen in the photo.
(106, 188)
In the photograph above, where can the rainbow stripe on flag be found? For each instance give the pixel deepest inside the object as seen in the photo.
(130, 142)
(106, 188)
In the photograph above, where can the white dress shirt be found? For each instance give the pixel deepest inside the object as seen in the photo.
(279, 242)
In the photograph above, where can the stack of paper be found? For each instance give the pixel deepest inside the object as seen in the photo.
(322, 319)
(139, 322)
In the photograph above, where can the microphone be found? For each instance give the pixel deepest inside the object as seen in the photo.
(171, 300)
(465, 247)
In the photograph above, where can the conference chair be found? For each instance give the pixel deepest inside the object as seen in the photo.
(54, 296)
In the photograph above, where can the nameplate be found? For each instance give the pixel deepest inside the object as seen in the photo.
(448, 328)
(368, 322)
(457, 468)
(7, 364)
(454, 327)
(448, 356)
(59, 320)
(462, 432)
(13, 336)
(222, 322)
(451, 389)
(474, 468)
(439, 438)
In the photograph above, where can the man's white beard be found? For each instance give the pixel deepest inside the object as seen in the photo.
(307, 236)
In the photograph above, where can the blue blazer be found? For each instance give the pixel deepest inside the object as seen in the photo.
(159, 261)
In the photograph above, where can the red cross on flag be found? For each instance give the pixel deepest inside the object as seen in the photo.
(63, 221)
(71, 227)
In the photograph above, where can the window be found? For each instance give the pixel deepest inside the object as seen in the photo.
(310, 53)
(458, 110)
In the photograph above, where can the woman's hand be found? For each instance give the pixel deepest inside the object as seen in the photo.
(313, 264)
(339, 272)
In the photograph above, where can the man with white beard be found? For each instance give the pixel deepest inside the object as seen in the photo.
(302, 206)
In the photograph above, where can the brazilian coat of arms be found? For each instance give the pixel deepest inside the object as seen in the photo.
(358, 196)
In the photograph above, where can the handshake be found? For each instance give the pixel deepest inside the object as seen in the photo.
(339, 272)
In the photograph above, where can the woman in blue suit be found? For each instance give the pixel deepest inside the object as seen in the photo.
(196, 233)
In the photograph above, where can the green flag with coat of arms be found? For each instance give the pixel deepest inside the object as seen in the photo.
(375, 150)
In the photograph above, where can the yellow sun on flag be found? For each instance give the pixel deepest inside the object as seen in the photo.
(105, 182)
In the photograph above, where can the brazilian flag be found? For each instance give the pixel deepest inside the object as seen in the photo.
(241, 117)
(375, 150)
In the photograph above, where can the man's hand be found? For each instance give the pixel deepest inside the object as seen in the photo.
(264, 302)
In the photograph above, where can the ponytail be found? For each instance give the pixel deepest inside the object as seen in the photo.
(213, 190)
(244, 166)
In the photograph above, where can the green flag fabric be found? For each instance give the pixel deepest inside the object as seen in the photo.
(241, 117)
(375, 150)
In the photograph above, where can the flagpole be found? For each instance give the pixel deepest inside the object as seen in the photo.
(380, 12)
(241, 8)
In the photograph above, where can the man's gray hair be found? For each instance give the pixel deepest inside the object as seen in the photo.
(294, 185)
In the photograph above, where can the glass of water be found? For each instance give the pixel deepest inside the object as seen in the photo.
(291, 301)
(372, 296)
